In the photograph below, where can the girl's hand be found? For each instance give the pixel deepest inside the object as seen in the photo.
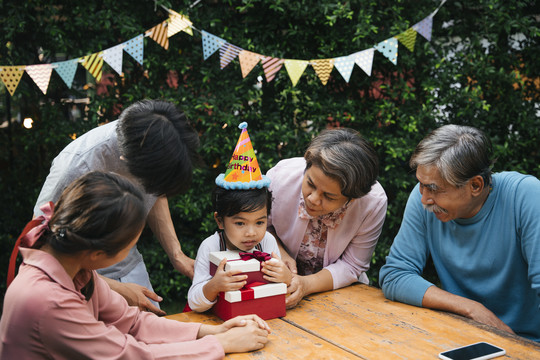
(246, 337)
(223, 281)
(243, 321)
(275, 270)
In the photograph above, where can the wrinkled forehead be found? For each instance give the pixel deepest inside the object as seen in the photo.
(430, 176)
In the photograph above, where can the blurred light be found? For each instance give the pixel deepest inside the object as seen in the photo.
(27, 123)
(73, 136)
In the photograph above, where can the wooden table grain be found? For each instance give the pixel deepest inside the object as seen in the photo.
(358, 322)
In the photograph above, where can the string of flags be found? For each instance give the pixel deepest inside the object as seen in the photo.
(93, 63)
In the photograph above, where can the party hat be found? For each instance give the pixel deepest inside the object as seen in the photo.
(243, 171)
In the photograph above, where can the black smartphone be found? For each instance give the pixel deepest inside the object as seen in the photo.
(478, 351)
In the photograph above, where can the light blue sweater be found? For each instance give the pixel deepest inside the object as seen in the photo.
(493, 257)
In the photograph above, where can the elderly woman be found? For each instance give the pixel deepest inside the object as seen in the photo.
(328, 212)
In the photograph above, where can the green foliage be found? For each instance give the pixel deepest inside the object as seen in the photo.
(480, 69)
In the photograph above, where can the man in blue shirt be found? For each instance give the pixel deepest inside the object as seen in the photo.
(482, 231)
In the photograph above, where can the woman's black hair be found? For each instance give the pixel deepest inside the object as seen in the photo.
(231, 202)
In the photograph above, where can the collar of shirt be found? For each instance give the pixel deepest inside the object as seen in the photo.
(50, 266)
(331, 220)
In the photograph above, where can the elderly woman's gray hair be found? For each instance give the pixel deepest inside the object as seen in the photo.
(343, 155)
(458, 152)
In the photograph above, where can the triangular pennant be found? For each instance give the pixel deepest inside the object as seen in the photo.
(66, 70)
(389, 48)
(424, 27)
(364, 59)
(177, 23)
(159, 34)
(135, 48)
(271, 66)
(210, 43)
(41, 74)
(408, 38)
(248, 60)
(323, 68)
(113, 56)
(227, 53)
(94, 64)
(295, 69)
(11, 75)
(345, 66)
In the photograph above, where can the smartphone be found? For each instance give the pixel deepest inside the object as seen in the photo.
(478, 351)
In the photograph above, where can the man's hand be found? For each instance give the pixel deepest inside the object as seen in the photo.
(136, 295)
(186, 266)
(482, 314)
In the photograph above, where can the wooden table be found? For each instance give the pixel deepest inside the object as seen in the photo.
(358, 322)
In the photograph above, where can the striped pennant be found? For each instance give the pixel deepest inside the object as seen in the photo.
(227, 53)
(94, 64)
(271, 66)
(323, 68)
(178, 23)
(41, 74)
(159, 34)
(11, 75)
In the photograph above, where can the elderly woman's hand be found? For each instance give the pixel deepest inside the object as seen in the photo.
(295, 291)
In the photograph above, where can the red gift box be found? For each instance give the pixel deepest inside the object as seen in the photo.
(250, 267)
(265, 300)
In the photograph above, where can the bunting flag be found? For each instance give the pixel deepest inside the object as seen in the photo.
(227, 53)
(295, 68)
(178, 23)
(248, 60)
(389, 48)
(210, 43)
(66, 70)
(11, 75)
(323, 68)
(271, 67)
(135, 48)
(94, 64)
(424, 27)
(408, 38)
(364, 59)
(345, 65)
(41, 74)
(159, 34)
(114, 56)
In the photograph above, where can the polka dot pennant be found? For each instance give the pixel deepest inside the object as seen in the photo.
(113, 56)
(345, 66)
(295, 68)
(11, 75)
(323, 68)
(135, 48)
(210, 43)
(248, 60)
(41, 74)
(364, 59)
(408, 38)
(389, 48)
(424, 27)
(66, 70)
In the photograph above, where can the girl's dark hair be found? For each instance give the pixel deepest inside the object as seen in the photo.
(159, 146)
(231, 202)
(98, 211)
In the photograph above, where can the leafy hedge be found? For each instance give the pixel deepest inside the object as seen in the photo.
(480, 69)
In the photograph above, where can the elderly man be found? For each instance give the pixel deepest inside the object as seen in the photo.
(482, 231)
(153, 145)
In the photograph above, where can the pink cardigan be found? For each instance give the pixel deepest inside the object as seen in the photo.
(349, 245)
(45, 316)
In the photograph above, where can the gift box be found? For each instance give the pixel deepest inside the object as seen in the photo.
(265, 300)
(248, 263)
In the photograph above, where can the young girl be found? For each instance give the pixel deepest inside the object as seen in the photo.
(241, 216)
(57, 306)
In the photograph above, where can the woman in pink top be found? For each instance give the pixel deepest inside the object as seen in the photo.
(328, 212)
(57, 307)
